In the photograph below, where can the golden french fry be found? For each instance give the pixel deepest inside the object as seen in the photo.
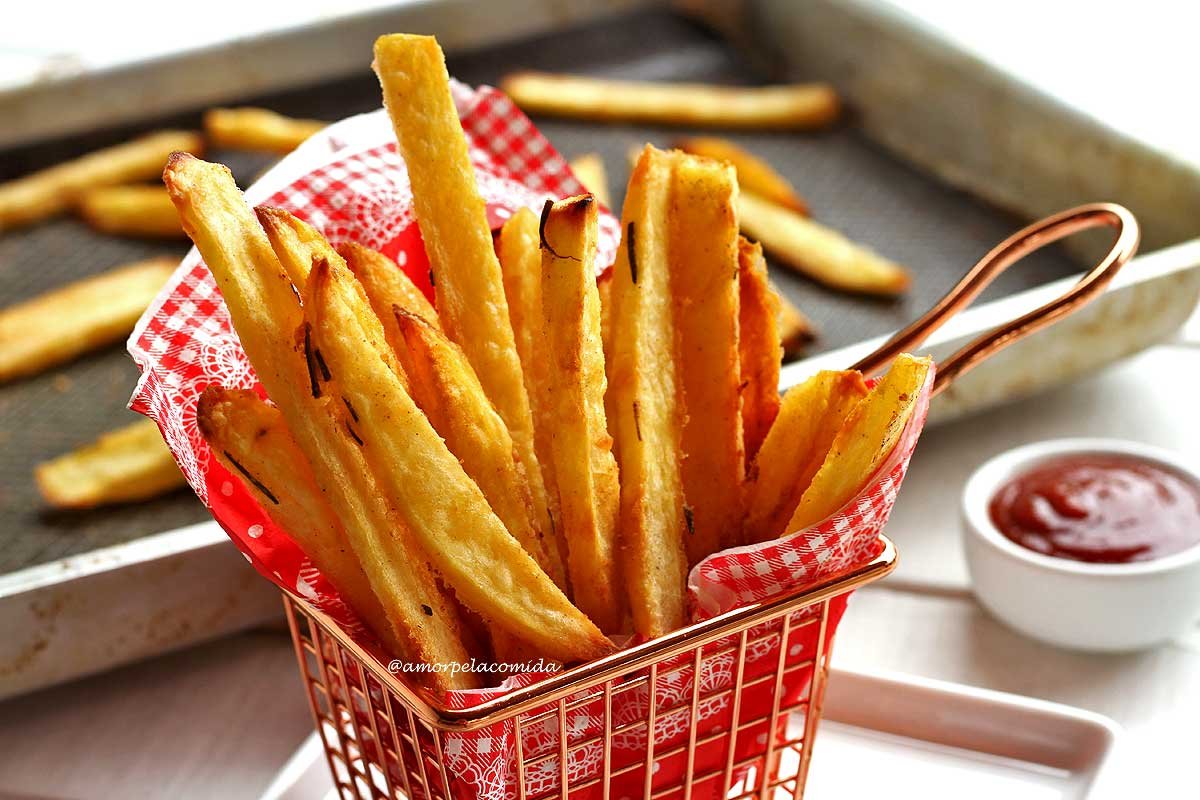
(521, 265)
(589, 169)
(864, 442)
(604, 289)
(759, 350)
(249, 438)
(819, 252)
(257, 129)
(54, 190)
(468, 544)
(296, 243)
(267, 316)
(584, 468)
(466, 273)
(386, 284)
(130, 211)
(648, 413)
(753, 174)
(122, 466)
(448, 391)
(795, 448)
(88, 314)
(796, 330)
(797, 106)
(703, 251)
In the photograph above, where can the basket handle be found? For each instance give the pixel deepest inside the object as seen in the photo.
(1000, 258)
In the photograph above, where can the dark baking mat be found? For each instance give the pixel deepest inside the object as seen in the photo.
(852, 185)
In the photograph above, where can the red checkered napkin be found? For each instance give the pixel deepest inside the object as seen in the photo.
(349, 182)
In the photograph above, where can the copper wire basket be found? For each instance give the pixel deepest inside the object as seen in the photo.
(385, 739)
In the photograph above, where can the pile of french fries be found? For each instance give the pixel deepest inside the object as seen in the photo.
(530, 464)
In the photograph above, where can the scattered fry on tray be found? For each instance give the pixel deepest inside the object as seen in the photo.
(251, 440)
(810, 417)
(864, 441)
(257, 129)
(646, 400)
(57, 326)
(266, 313)
(56, 189)
(759, 351)
(703, 251)
(447, 390)
(487, 568)
(465, 271)
(589, 169)
(753, 174)
(520, 256)
(796, 330)
(123, 466)
(584, 469)
(792, 107)
(130, 211)
(819, 252)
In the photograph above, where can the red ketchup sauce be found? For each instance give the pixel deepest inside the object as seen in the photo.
(1100, 508)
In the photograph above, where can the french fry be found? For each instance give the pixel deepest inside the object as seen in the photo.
(123, 466)
(250, 439)
(521, 266)
(796, 330)
(589, 169)
(819, 252)
(864, 442)
(386, 284)
(811, 415)
(295, 242)
(793, 107)
(759, 351)
(649, 417)
(487, 568)
(130, 211)
(257, 129)
(468, 283)
(604, 289)
(584, 468)
(753, 174)
(54, 190)
(267, 316)
(448, 391)
(703, 250)
(57, 326)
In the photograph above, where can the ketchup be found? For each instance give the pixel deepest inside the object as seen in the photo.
(1101, 508)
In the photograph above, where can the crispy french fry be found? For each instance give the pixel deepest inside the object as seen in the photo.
(759, 350)
(386, 284)
(267, 316)
(649, 417)
(521, 265)
(703, 250)
(251, 440)
(796, 330)
(54, 190)
(863, 443)
(819, 252)
(467, 279)
(797, 106)
(62, 324)
(795, 448)
(130, 211)
(257, 129)
(295, 242)
(753, 174)
(448, 391)
(123, 466)
(584, 468)
(604, 289)
(589, 169)
(469, 545)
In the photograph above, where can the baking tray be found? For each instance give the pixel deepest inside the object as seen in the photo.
(853, 182)
(919, 737)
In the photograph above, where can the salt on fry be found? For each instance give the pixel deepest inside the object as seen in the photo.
(791, 107)
(131, 211)
(753, 173)
(257, 129)
(122, 466)
(64, 323)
